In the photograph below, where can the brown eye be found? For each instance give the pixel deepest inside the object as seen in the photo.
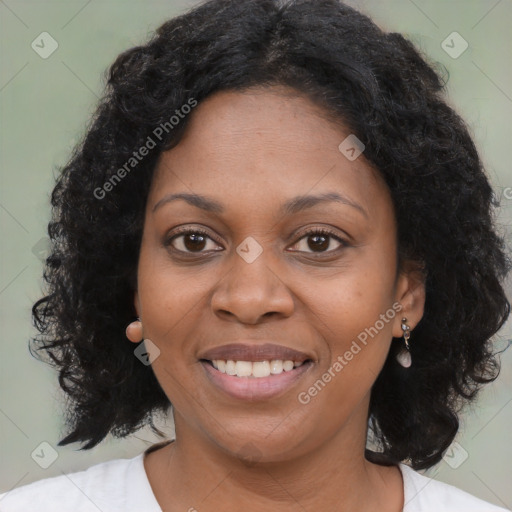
(191, 241)
(320, 241)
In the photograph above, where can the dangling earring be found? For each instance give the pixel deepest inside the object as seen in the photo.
(134, 331)
(404, 356)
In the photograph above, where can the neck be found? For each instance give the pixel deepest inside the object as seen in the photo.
(194, 473)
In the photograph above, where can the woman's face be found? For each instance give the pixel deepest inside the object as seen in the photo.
(253, 286)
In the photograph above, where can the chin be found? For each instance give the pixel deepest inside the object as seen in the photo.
(258, 447)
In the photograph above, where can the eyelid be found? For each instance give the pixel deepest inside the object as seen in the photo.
(297, 236)
(321, 230)
(332, 231)
(186, 229)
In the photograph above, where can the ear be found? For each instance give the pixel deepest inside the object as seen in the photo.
(134, 330)
(136, 303)
(410, 293)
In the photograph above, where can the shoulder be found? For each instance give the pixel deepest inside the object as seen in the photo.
(424, 494)
(111, 485)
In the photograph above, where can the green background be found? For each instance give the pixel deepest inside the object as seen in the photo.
(45, 104)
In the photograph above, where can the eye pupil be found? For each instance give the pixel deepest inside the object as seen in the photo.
(195, 241)
(324, 244)
(195, 238)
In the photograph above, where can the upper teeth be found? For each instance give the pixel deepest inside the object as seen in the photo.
(255, 369)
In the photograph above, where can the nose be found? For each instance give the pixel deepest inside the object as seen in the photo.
(251, 292)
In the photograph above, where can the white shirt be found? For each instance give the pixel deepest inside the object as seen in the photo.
(121, 485)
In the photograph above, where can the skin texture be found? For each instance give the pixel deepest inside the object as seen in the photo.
(252, 151)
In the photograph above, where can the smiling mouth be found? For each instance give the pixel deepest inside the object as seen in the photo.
(255, 369)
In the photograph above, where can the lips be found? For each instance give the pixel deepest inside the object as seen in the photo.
(254, 353)
(231, 370)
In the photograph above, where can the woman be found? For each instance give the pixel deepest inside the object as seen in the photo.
(277, 207)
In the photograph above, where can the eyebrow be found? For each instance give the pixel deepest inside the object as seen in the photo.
(294, 205)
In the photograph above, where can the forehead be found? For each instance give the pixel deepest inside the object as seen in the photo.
(260, 145)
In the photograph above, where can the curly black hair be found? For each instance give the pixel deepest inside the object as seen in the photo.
(375, 83)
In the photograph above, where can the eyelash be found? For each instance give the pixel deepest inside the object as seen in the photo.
(305, 234)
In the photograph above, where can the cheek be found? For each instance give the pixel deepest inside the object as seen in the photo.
(357, 340)
(171, 300)
(354, 314)
(171, 305)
